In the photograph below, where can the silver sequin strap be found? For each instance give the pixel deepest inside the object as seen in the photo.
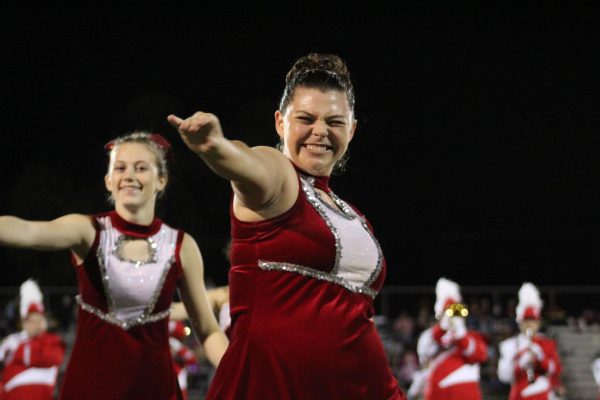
(314, 273)
(141, 320)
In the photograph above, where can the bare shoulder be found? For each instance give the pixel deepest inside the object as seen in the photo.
(271, 153)
(190, 254)
(275, 159)
(188, 240)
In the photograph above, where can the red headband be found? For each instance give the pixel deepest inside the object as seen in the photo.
(155, 138)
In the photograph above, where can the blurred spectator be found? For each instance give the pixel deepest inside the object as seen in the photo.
(408, 366)
(404, 329)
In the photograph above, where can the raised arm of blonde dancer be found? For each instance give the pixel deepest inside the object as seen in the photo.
(73, 231)
(195, 298)
(262, 177)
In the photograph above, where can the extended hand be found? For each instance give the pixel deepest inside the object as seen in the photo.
(526, 360)
(531, 356)
(198, 131)
(455, 329)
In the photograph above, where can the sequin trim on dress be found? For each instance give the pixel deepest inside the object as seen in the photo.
(346, 212)
(313, 273)
(308, 188)
(377, 270)
(108, 293)
(342, 208)
(118, 246)
(141, 320)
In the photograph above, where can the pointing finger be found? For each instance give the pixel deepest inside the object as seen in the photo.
(174, 120)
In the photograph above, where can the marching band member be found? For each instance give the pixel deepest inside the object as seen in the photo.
(33, 356)
(529, 361)
(449, 353)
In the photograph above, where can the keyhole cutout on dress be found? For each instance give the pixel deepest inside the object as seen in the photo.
(135, 250)
(326, 198)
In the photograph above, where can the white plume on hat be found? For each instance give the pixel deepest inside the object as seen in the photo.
(446, 291)
(31, 298)
(529, 300)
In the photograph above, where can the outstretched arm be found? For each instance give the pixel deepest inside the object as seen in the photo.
(73, 231)
(258, 175)
(195, 298)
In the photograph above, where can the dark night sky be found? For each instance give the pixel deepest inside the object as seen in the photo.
(476, 155)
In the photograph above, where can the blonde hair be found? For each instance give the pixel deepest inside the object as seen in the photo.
(156, 143)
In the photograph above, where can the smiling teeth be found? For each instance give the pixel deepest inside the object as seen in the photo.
(317, 147)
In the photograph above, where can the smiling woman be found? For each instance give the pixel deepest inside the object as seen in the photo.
(129, 265)
(305, 265)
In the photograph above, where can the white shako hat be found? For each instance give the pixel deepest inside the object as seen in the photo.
(446, 292)
(530, 303)
(30, 298)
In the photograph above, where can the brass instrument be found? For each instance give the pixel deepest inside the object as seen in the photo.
(457, 310)
(530, 372)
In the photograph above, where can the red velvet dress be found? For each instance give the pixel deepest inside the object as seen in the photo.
(121, 349)
(301, 298)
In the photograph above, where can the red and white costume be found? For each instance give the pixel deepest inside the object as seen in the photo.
(537, 354)
(121, 348)
(301, 297)
(449, 356)
(30, 363)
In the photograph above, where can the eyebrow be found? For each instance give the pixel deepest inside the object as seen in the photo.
(329, 117)
(135, 162)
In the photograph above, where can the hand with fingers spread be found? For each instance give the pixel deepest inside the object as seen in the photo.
(199, 132)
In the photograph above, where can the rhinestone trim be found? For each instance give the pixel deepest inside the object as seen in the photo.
(348, 213)
(313, 273)
(110, 231)
(152, 245)
(309, 191)
(141, 320)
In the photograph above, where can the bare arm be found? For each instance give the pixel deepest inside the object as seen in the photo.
(74, 231)
(178, 311)
(195, 298)
(216, 298)
(259, 175)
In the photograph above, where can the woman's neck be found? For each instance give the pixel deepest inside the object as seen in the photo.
(321, 182)
(136, 215)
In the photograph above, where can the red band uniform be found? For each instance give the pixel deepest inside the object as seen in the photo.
(33, 356)
(449, 353)
(529, 362)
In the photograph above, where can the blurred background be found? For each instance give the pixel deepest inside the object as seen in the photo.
(475, 156)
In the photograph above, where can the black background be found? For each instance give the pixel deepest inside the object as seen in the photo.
(476, 155)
